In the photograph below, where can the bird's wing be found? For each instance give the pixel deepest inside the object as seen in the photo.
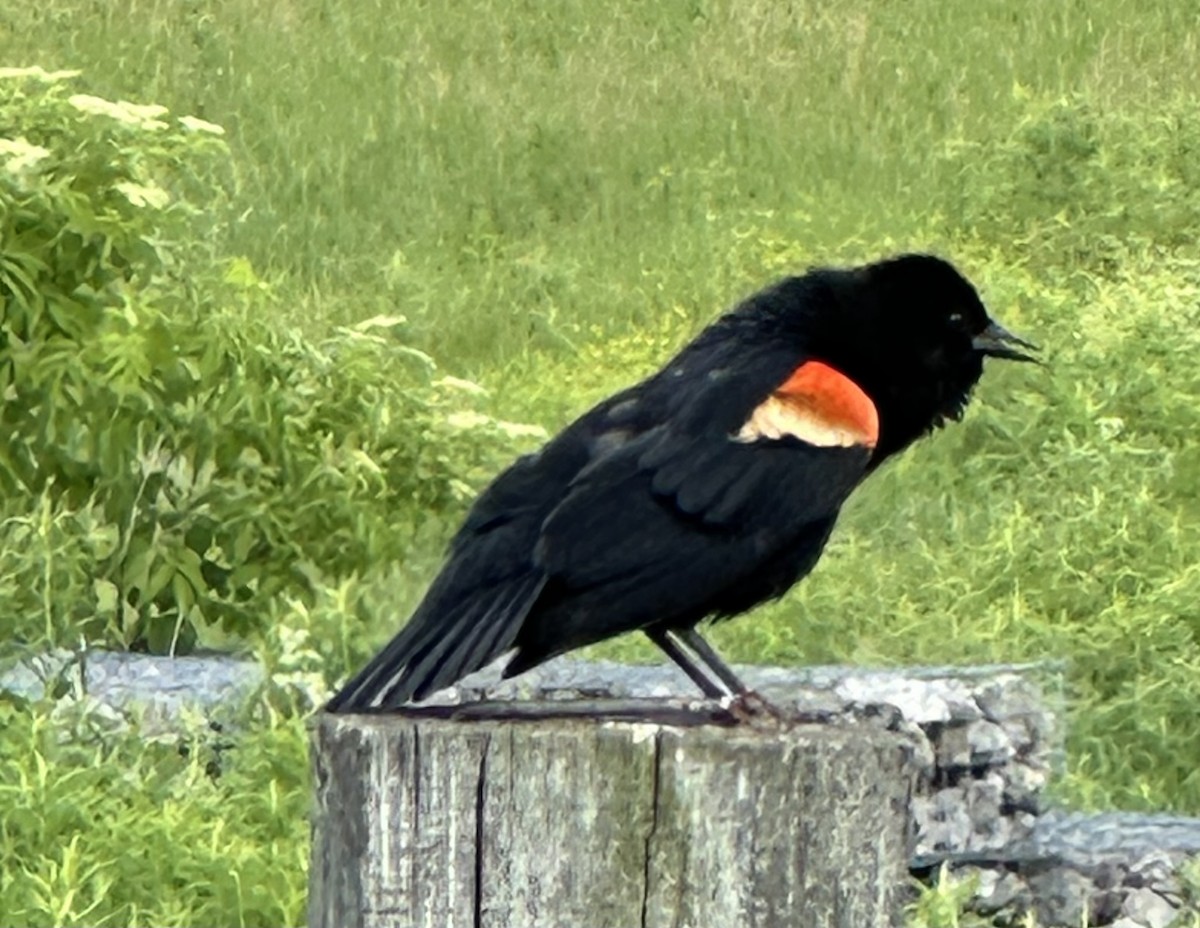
(667, 495)
(691, 506)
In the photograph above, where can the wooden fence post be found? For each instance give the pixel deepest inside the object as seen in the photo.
(621, 814)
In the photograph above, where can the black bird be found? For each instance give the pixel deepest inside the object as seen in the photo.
(704, 490)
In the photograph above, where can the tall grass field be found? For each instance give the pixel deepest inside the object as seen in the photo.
(285, 282)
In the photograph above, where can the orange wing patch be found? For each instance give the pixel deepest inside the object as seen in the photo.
(818, 405)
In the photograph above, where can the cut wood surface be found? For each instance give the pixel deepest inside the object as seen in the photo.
(596, 821)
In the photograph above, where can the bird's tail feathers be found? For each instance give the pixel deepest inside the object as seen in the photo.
(432, 651)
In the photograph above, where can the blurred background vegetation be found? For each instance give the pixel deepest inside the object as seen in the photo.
(256, 361)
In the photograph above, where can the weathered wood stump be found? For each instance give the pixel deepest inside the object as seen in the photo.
(611, 814)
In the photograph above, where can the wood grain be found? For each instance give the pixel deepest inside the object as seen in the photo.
(595, 822)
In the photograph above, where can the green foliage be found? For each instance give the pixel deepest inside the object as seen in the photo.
(175, 463)
(97, 224)
(120, 831)
(944, 905)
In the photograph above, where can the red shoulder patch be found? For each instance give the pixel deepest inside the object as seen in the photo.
(820, 406)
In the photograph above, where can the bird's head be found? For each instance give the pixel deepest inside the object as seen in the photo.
(913, 333)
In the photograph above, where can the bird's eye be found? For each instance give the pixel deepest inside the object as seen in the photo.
(956, 320)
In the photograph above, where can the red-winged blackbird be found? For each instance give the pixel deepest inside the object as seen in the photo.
(705, 490)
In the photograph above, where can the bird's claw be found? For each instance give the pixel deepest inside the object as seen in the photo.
(750, 708)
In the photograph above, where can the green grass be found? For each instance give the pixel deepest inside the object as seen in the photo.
(501, 170)
(555, 197)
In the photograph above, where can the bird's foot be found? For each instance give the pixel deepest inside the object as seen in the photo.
(750, 708)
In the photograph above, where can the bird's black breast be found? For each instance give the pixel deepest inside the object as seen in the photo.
(777, 573)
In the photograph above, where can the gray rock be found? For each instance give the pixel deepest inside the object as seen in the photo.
(919, 701)
(32, 676)
(1023, 788)
(1087, 839)
(990, 827)
(1010, 696)
(943, 820)
(952, 746)
(998, 891)
(1148, 908)
(990, 744)
(1160, 872)
(1118, 867)
(111, 690)
(1066, 897)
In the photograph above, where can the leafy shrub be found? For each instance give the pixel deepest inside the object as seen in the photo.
(193, 460)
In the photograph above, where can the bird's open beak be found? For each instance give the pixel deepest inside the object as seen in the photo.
(998, 342)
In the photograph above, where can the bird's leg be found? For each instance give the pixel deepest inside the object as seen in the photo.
(665, 640)
(746, 700)
(712, 660)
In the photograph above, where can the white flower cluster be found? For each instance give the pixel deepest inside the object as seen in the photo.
(142, 115)
(20, 157)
